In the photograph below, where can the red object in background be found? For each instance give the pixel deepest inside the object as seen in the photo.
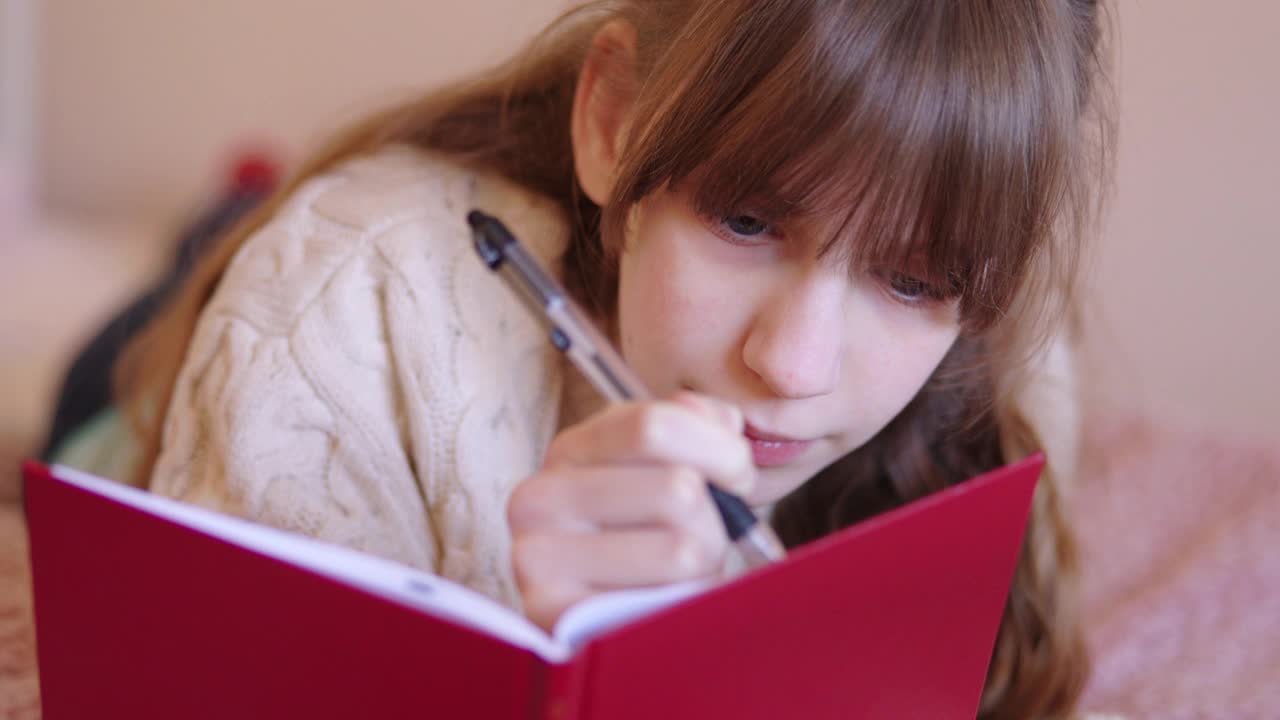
(255, 171)
(251, 177)
(141, 617)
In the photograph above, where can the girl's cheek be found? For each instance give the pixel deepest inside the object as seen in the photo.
(705, 300)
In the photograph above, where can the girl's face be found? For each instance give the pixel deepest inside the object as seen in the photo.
(818, 359)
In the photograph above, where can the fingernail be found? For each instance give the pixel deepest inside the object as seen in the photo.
(733, 417)
(722, 412)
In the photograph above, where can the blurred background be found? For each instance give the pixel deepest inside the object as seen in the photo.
(121, 121)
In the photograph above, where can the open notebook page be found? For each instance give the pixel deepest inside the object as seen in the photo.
(396, 582)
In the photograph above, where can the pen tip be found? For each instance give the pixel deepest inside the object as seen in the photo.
(481, 226)
(737, 517)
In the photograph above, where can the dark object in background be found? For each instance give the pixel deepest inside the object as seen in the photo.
(86, 389)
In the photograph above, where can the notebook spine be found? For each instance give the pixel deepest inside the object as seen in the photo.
(560, 689)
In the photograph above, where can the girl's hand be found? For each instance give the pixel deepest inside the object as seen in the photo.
(621, 501)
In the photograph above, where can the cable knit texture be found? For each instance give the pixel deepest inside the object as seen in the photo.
(360, 377)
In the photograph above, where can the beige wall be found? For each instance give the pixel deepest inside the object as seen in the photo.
(17, 50)
(1189, 320)
(141, 99)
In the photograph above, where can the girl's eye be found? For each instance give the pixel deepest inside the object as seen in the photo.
(912, 290)
(745, 229)
(746, 225)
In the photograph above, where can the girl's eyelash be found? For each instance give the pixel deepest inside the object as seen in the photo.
(911, 290)
(902, 287)
(721, 224)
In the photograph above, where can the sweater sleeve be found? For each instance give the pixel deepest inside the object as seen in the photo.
(356, 378)
(285, 410)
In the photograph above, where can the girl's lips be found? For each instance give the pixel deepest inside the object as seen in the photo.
(769, 450)
(756, 433)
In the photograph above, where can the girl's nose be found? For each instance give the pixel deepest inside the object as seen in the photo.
(796, 342)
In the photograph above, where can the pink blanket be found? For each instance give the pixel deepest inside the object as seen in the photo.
(1180, 533)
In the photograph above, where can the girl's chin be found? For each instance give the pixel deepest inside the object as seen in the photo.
(775, 483)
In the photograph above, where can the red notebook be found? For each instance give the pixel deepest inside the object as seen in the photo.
(147, 608)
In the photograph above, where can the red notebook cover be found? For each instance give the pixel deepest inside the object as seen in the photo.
(138, 616)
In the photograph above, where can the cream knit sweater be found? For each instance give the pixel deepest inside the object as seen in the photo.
(360, 377)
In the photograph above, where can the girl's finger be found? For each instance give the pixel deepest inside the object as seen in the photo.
(545, 603)
(584, 499)
(615, 559)
(722, 412)
(661, 432)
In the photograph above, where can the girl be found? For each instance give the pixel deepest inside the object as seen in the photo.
(828, 234)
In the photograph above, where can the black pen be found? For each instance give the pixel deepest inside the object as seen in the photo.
(572, 332)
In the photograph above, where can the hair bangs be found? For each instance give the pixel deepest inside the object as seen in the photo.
(915, 154)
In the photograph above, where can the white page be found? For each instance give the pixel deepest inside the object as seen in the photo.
(600, 613)
(399, 583)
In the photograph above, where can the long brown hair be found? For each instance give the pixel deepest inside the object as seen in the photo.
(974, 134)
